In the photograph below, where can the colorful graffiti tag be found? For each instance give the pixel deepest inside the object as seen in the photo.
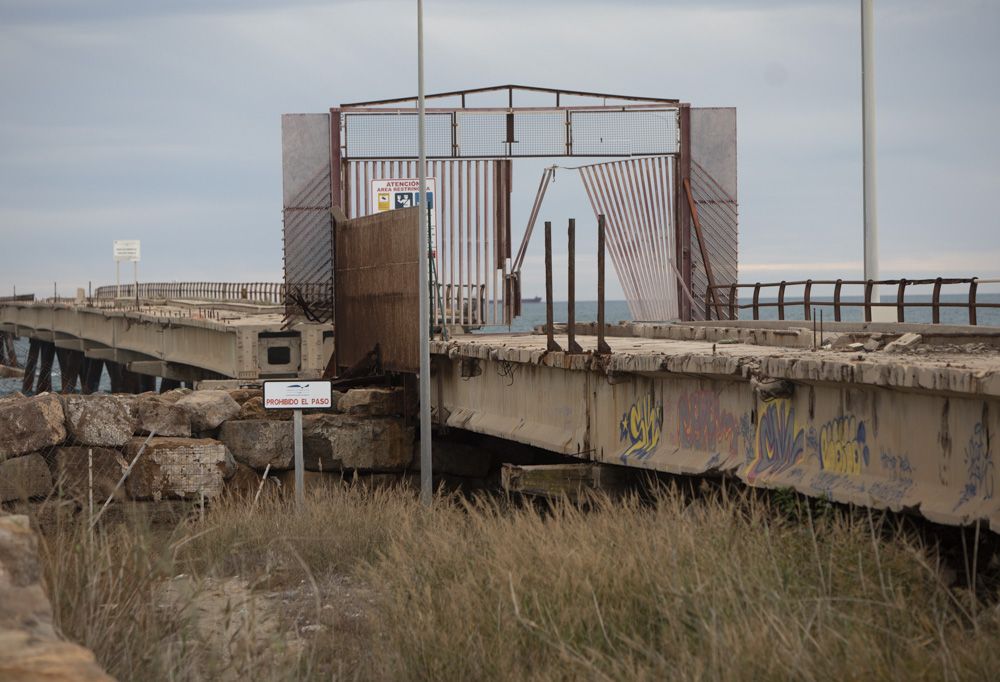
(979, 467)
(704, 425)
(640, 428)
(842, 447)
(779, 442)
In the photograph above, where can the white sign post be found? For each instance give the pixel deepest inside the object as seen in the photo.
(126, 250)
(298, 395)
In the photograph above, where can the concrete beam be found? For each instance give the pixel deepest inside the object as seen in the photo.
(71, 344)
(167, 370)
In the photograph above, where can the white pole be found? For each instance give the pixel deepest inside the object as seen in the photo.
(426, 480)
(300, 475)
(868, 135)
(118, 281)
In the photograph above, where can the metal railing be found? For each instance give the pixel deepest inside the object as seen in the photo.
(20, 298)
(807, 301)
(251, 292)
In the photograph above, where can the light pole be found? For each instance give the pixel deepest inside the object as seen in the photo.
(868, 141)
(426, 479)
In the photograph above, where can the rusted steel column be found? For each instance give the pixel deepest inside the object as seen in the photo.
(900, 296)
(11, 351)
(868, 300)
(683, 233)
(781, 300)
(48, 356)
(550, 344)
(807, 299)
(572, 346)
(973, 286)
(28, 383)
(756, 301)
(936, 302)
(836, 300)
(602, 344)
(732, 301)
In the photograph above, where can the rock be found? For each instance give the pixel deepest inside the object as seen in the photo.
(241, 395)
(460, 459)
(343, 441)
(22, 478)
(244, 480)
(254, 409)
(173, 395)
(259, 442)
(104, 420)
(161, 415)
(908, 341)
(178, 467)
(31, 424)
(855, 346)
(208, 409)
(372, 402)
(73, 472)
(30, 646)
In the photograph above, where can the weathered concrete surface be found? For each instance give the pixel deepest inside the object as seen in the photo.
(30, 424)
(259, 442)
(885, 430)
(25, 477)
(161, 415)
(100, 420)
(74, 468)
(372, 402)
(30, 646)
(342, 441)
(208, 409)
(178, 467)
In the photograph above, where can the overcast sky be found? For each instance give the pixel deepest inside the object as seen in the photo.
(160, 121)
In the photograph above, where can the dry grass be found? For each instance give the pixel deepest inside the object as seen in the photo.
(369, 585)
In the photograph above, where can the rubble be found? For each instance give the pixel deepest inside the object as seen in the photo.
(102, 420)
(178, 467)
(259, 442)
(208, 409)
(30, 424)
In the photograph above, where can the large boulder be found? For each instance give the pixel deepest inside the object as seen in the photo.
(343, 441)
(208, 409)
(241, 395)
(161, 415)
(372, 402)
(30, 645)
(22, 478)
(30, 424)
(254, 409)
(76, 467)
(178, 468)
(259, 442)
(102, 420)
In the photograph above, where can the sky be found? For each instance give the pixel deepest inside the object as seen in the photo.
(160, 121)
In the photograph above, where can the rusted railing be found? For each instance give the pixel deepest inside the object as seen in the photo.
(808, 301)
(256, 292)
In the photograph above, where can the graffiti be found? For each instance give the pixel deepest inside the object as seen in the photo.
(747, 434)
(900, 473)
(842, 447)
(826, 483)
(978, 466)
(704, 425)
(640, 427)
(778, 443)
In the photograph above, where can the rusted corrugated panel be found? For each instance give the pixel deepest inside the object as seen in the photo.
(376, 284)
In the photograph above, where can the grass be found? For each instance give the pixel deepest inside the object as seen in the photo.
(367, 584)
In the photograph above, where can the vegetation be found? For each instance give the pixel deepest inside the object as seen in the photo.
(367, 584)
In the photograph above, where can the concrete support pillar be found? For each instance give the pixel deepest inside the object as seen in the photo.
(28, 383)
(70, 365)
(115, 374)
(147, 383)
(92, 377)
(48, 356)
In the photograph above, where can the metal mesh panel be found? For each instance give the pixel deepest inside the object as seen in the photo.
(394, 135)
(481, 133)
(308, 252)
(624, 133)
(539, 133)
(718, 213)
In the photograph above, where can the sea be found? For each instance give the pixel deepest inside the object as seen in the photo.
(533, 314)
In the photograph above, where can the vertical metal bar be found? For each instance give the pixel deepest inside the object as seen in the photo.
(366, 189)
(336, 165)
(756, 301)
(683, 224)
(732, 301)
(602, 344)
(300, 470)
(598, 196)
(973, 286)
(936, 302)
(781, 300)
(468, 240)
(426, 460)
(550, 341)
(868, 300)
(619, 227)
(836, 299)
(807, 298)
(571, 346)
(900, 308)
(479, 253)
(461, 238)
(451, 241)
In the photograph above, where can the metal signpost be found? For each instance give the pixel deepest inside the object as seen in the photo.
(126, 250)
(298, 395)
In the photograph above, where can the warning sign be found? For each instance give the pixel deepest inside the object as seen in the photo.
(388, 194)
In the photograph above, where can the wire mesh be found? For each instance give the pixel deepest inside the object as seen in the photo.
(624, 133)
(719, 216)
(394, 135)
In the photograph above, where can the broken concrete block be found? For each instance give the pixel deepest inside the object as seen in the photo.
(342, 441)
(254, 409)
(74, 468)
(208, 409)
(908, 341)
(259, 442)
(160, 415)
(31, 424)
(102, 420)
(241, 395)
(22, 478)
(178, 467)
(372, 402)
